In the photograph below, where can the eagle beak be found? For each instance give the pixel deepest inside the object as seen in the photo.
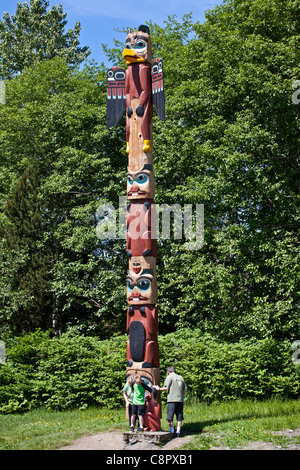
(130, 56)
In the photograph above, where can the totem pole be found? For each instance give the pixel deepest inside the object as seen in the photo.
(135, 90)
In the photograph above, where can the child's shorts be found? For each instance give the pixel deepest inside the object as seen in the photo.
(138, 409)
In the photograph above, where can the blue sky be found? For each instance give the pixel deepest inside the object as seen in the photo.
(99, 18)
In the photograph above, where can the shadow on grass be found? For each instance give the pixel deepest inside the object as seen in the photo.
(197, 427)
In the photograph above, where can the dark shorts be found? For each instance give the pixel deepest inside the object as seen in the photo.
(138, 409)
(130, 413)
(175, 407)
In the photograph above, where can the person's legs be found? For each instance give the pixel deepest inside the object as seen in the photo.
(141, 421)
(133, 416)
(141, 417)
(170, 415)
(171, 426)
(130, 413)
(179, 416)
(132, 422)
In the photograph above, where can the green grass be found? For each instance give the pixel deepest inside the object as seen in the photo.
(42, 429)
(231, 424)
(235, 424)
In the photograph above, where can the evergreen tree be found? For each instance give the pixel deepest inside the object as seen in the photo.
(23, 234)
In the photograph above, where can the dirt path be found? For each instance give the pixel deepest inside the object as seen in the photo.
(114, 441)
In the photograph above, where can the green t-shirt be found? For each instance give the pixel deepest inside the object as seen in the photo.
(138, 394)
(176, 386)
(129, 392)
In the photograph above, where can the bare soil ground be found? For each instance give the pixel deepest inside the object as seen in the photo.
(114, 441)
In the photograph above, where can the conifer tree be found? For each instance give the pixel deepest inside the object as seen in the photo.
(23, 238)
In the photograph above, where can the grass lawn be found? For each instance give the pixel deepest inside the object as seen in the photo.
(235, 424)
(43, 429)
(230, 424)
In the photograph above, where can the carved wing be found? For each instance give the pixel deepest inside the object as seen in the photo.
(158, 92)
(115, 99)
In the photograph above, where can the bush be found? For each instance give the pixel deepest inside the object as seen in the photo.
(216, 371)
(77, 371)
(61, 373)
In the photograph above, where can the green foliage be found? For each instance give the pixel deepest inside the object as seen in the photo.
(217, 371)
(23, 235)
(230, 142)
(74, 371)
(78, 371)
(33, 34)
(55, 117)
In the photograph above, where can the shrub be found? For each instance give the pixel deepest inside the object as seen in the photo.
(216, 370)
(78, 371)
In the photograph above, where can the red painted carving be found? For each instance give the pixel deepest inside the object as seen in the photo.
(147, 315)
(137, 90)
(138, 85)
(152, 416)
(139, 242)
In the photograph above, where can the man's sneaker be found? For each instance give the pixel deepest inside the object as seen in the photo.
(178, 434)
(132, 428)
(140, 429)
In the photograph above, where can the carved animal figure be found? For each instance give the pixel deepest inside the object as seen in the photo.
(141, 81)
(141, 281)
(142, 326)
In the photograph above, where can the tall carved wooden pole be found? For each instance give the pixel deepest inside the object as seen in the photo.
(136, 90)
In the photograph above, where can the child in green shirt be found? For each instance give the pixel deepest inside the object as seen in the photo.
(138, 402)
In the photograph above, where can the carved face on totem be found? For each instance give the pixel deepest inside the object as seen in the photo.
(140, 184)
(150, 376)
(141, 281)
(138, 46)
